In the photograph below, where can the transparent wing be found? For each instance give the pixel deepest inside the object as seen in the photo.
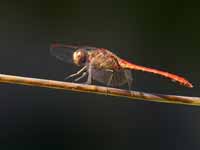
(65, 52)
(114, 79)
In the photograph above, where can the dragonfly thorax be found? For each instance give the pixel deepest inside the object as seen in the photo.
(80, 57)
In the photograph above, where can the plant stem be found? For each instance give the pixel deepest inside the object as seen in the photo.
(185, 100)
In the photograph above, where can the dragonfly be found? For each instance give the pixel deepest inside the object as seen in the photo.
(103, 66)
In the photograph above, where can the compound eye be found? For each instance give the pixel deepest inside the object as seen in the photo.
(79, 57)
(79, 54)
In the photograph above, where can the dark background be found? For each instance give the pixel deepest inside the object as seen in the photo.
(160, 34)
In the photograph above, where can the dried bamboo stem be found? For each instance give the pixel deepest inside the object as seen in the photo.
(185, 100)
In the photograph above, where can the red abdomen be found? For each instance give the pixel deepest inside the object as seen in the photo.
(126, 65)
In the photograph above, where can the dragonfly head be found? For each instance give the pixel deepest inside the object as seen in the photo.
(80, 57)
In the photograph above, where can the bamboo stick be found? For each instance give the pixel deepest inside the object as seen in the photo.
(185, 100)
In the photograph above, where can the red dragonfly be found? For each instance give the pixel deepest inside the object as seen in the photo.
(101, 65)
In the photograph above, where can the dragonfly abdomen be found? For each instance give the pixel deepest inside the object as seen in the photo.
(181, 80)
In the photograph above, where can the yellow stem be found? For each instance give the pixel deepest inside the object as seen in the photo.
(185, 100)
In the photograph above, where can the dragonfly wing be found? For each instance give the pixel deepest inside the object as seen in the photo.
(109, 78)
(65, 52)
(62, 52)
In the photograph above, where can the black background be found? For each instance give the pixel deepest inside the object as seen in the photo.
(160, 34)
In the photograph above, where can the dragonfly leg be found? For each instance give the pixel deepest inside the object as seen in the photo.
(77, 73)
(111, 77)
(129, 78)
(110, 80)
(89, 79)
(82, 76)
